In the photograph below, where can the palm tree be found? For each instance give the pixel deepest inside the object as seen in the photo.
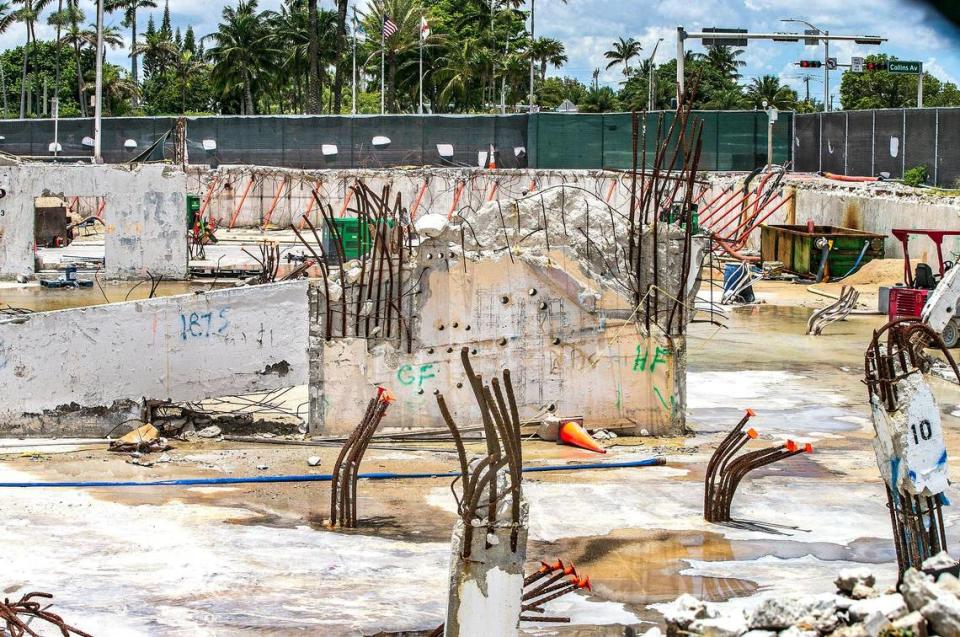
(457, 76)
(339, 48)
(406, 15)
(7, 18)
(28, 14)
(117, 88)
(70, 18)
(622, 52)
(729, 99)
(313, 54)
(290, 36)
(186, 67)
(156, 51)
(111, 37)
(725, 60)
(769, 89)
(547, 51)
(242, 54)
(129, 8)
(599, 100)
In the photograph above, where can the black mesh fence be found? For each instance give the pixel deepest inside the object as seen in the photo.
(731, 140)
(887, 141)
(806, 144)
(948, 148)
(833, 151)
(859, 144)
(920, 139)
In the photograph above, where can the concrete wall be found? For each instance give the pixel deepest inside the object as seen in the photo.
(875, 207)
(144, 215)
(570, 355)
(424, 190)
(61, 370)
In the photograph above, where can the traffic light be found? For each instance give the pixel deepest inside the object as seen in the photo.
(810, 64)
(876, 66)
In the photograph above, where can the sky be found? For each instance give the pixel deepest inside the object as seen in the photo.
(588, 27)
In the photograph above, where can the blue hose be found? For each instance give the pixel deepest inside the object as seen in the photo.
(866, 244)
(383, 475)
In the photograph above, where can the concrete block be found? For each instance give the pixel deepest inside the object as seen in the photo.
(92, 361)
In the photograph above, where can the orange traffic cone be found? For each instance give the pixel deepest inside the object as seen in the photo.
(573, 434)
(492, 164)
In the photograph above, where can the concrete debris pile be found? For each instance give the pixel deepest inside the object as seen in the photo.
(923, 606)
(569, 223)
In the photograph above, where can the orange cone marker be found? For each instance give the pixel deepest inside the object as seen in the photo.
(573, 434)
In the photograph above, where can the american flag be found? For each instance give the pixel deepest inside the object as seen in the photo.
(389, 27)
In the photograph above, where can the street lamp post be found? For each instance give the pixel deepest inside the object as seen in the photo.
(98, 106)
(650, 73)
(826, 58)
(533, 37)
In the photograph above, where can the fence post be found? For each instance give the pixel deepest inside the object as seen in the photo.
(846, 139)
(820, 143)
(903, 145)
(936, 147)
(873, 143)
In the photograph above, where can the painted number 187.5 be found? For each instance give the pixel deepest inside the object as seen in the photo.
(203, 324)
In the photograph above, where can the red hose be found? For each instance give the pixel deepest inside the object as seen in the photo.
(850, 178)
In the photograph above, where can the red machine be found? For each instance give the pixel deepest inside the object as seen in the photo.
(908, 302)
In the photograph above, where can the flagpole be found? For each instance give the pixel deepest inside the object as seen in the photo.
(421, 65)
(354, 89)
(383, 62)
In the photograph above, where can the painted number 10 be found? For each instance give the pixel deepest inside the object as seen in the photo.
(924, 432)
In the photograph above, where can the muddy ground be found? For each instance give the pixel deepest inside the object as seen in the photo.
(260, 560)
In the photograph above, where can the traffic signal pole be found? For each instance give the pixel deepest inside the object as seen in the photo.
(826, 73)
(719, 37)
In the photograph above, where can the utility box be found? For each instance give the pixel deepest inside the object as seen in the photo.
(193, 208)
(797, 248)
(356, 238)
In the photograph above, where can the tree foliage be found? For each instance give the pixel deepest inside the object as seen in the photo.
(298, 57)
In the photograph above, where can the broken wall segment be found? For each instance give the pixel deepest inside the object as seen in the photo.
(81, 371)
(517, 290)
(144, 215)
(871, 207)
(249, 196)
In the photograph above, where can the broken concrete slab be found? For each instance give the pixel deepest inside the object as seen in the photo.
(81, 371)
(144, 215)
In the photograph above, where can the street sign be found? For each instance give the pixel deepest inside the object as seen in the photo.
(831, 64)
(723, 41)
(901, 66)
(811, 41)
(856, 65)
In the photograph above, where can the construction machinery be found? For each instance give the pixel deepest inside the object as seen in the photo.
(927, 295)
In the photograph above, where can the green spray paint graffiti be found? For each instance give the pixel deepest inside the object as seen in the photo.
(409, 375)
(660, 355)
